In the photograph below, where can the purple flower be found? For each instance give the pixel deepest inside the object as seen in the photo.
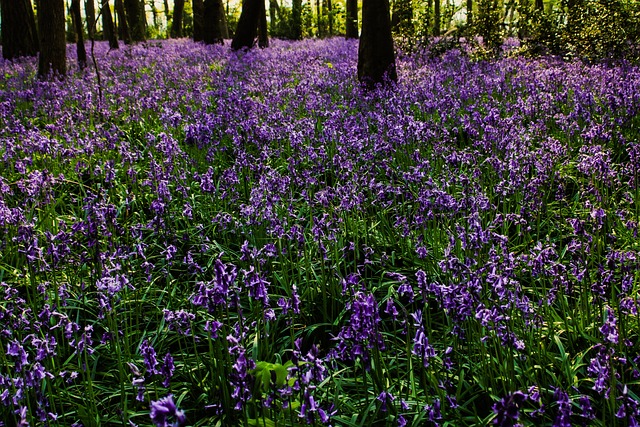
(165, 413)
(507, 410)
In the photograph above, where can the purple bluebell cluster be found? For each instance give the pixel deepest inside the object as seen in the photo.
(256, 237)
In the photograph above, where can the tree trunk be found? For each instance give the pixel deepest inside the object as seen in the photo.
(167, 14)
(320, 33)
(330, 16)
(19, 34)
(351, 25)
(296, 19)
(273, 22)
(469, 14)
(212, 21)
(76, 18)
(90, 13)
(540, 5)
(154, 13)
(108, 29)
(198, 20)
(135, 20)
(247, 30)
(402, 18)
(376, 58)
(53, 46)
(263, 35)
(123, 27)
(223, 21)
(436, 18)
(176, 24)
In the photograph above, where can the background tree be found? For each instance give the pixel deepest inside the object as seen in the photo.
(135, 19)
(19, 34)
(176, 24)
(436, 18)
(351, 24)
(108, 29)
(224, 27)
(212, 22)
(402, 18)
(247, 30)
(296, 19)
(198, 20)
(123, 27)
(76, 17)
(90, 13)
(263, 34)
(376, 58)
(53, 45)
(469, 15)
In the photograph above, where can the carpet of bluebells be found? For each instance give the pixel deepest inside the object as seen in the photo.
(194, 236)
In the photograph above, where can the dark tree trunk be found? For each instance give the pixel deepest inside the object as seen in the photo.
(108, 29)
(176, 24)
(376, 58)
(247, 30)
(330, 16)
(19, 34)
(154, 13)
(223, 21)
(352, 19)
(436, 18)
(320, 32)
(402, 17)
(167, 14)
(53, 46)
(212, 21)
(263, 35)
(296, 19)
(90, 13)
(273, 10)
(469, 14)
(198, 20)
(135, 19)
(76, 17)
(540, 5)
(123, 27)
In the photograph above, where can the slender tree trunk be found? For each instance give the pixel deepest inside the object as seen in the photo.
(376, 58)
(540, 5)
(123, 27)
(330, 16)
(19, 34)
(263, 34)
(436, 18)
(53, 46)
(135, 20)
(198, 20)
(90, 13)
(273, 22)
(224, 28)
(402, 17)
(176, 25)
(351, 25)
(319, 16)
(76, 17)
(108, 29)
(296, 19)
(469, 14)
(154, 13)
(247, 30)
(167, 14)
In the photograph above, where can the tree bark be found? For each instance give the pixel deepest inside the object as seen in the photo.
(247, 30)
(53, 46)
(540, 5)
(176, 24)
(135, 20)
(296, 19)
(223, 21)
(469, 14)
(90, 13)
(263, 34)
(212, 21)
(19, 34)
(76, 18)
(402, 17)
(351, 25)
(198, 20)
(436, 18)
(273, 22)
(123, 27)
(376, 58)
(108, 29)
